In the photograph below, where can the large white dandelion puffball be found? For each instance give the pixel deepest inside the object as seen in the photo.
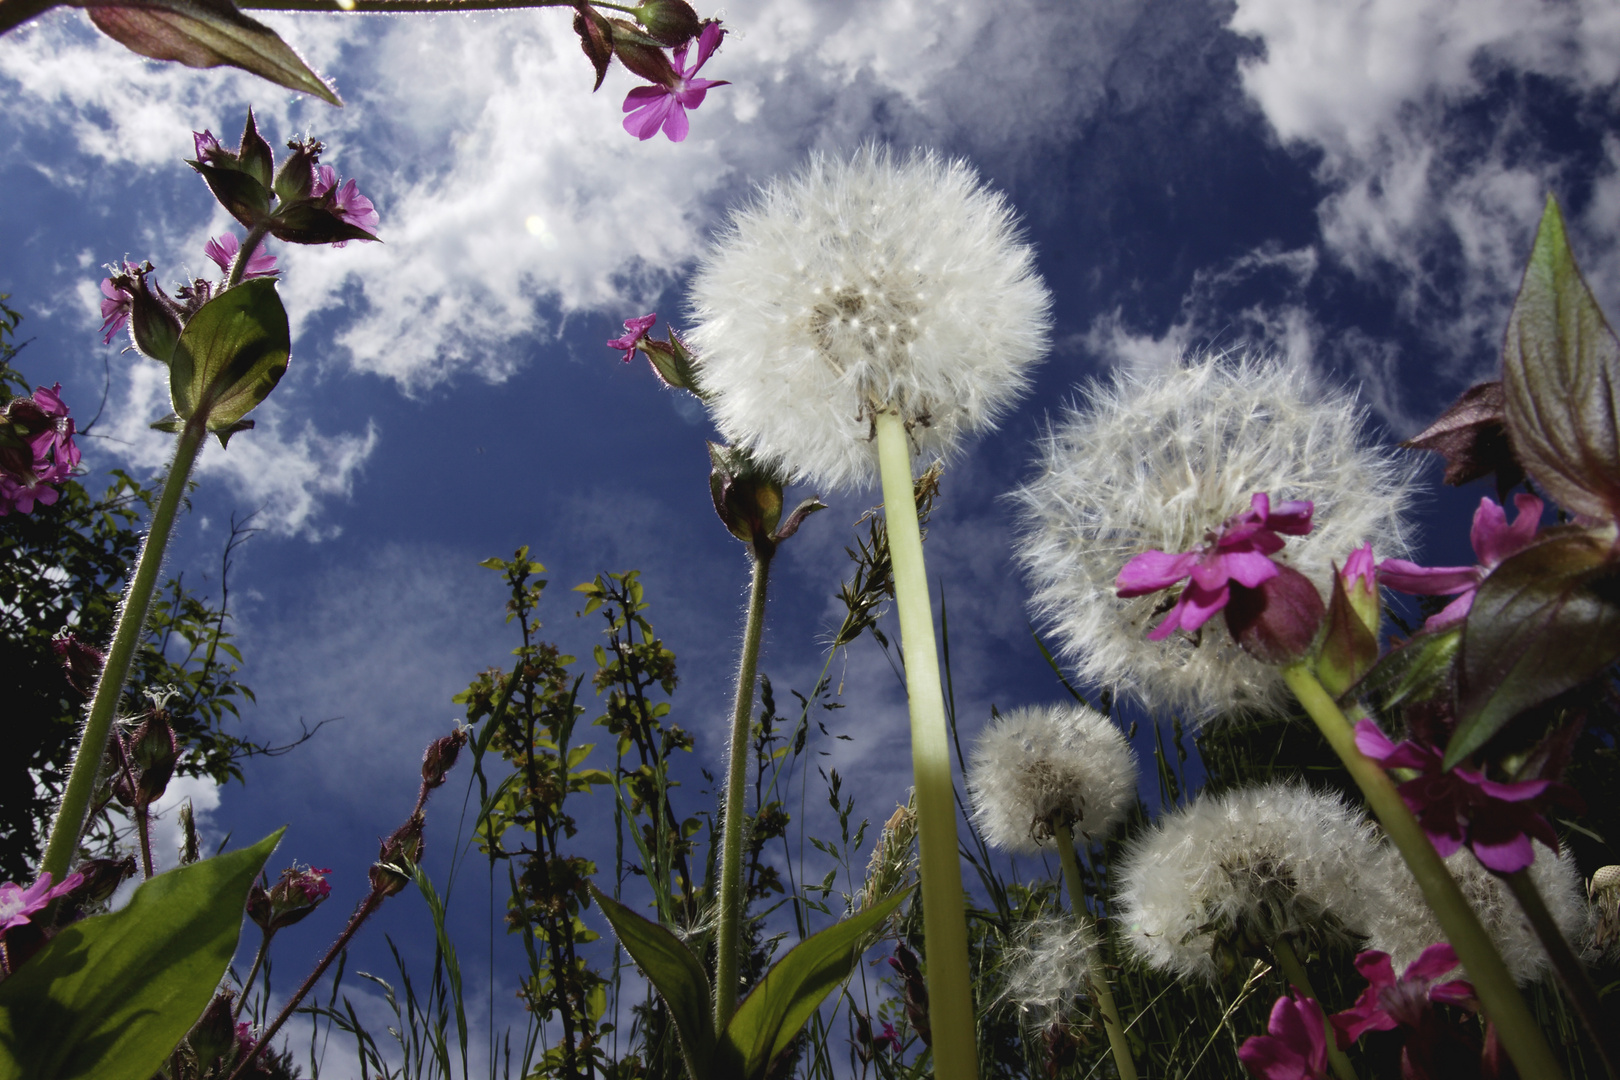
(862, 286)
(1034, 769)
(1155, 462)
(1274, 859)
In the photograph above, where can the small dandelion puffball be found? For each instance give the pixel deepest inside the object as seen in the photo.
(1156, 462)
(1403, 925)
(1253, 862)
(1047, 967)
(1037, 768)
(862, 286)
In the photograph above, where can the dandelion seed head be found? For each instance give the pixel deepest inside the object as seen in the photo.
(1278, 859)
(1047, 967)
(863, 285)
(1403, 926)
(1155, 461)
(1033, 769)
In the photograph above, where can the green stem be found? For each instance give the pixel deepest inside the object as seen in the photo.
(1294, 972)
(732, 901)
(81, 785)
(1570, 971)
(950, 987)
(253, 973)
(255, 237)
(1118, 1043)
(1498, 996)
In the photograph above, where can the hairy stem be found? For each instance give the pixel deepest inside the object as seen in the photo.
(1294, 972)
(732, 900)
(81, 785)
(255, 237)
(1570, 971)
(253, 973)
(1118, 1044)
(950, 987)
(415, 5)
(1498, 996)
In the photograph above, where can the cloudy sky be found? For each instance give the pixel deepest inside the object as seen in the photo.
(1352, 187)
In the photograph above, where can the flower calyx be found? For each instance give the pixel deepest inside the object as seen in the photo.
(397, 857)
(297, 893)
(748, 498)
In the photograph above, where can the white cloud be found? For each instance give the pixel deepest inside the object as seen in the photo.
(282, 469)
(1416, 191)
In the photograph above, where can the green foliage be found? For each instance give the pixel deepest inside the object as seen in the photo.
(109, 997)
(231, 354)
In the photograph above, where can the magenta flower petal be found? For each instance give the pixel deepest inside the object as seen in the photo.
(1154, 570)
(635, 330)
(1250, 568)
(645, 121)
(676, 125)
(1296, 1049)
(1415, 580)
(1494, 539)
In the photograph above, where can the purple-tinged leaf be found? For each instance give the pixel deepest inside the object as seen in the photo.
(1472, 437)
(1545, 621)
(207, 33)
(1561, 376)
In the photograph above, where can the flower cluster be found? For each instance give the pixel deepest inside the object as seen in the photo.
(861, 286)
(37, 450)
(1157, 461)
(1458, 806)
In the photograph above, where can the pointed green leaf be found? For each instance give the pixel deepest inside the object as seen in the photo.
(172, 423)
(231, 355)
(110, 997)
(1417, 671)
(207, 33)
(1561, 374)
(675, 973)
(1545, 621)
(791, 992)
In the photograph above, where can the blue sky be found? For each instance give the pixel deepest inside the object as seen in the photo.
(1350, 187)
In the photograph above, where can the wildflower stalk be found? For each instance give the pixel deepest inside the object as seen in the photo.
(245, 253)
(1117, 1042)
(734, 824)
(1294, 972)
(75, 805)
(1570, 971)
(1498, 996)
(950, 991)
(253, 973)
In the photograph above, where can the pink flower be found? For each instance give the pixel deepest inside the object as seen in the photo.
(889, 1040)
(37, 450)
(115, 307)
(222, 250)
(18, 903)
(1496, 820)
(206, 145)
(1296, 1049)
(654, 107)
(1494, 541)
(1239, 551)
(635, 330)
(1388, 1003)
(350, 205)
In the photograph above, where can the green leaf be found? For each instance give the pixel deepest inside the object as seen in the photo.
(231, 354)
(110, 997)
(1545, 621)
(675, 973)
(207, 33)
(1561, 374)
(1417, 671)
(791, 992)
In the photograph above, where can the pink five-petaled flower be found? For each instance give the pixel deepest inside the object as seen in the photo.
(634, 331)
(1457, 806)
(116, 305)
(18, 903)
(351, 206)
(38, 451)
(889, 1040)
(223, 250)
(1240, 550)
(1388, 1003)
(1494, 541)
(1296, 1049)
(654, 107)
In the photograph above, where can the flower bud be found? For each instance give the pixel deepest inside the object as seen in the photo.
(240, 180)
(672, 362)
(397, 857)
(440, 757)
(296, 177)
(291, 899)
(153, 753)
(672, 22)
(1277, 622)
(643, 55)
(155, 321)
(747, 497)
(98, 880)
(1360, 578)
(81, 663)
(214, 1035)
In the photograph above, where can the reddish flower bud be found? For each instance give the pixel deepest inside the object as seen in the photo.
(214, 1035)
(1277, 622)
(153, 753)
(291, 899)
(672, 22)
(81, 663)
(397, 857)
(440, 758)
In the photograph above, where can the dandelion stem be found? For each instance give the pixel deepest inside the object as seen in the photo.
(1118, 1043)
(1571, 973)
(1498, 996)
(732, 901)
(1294, 972)
(950, 989)
(74, 809)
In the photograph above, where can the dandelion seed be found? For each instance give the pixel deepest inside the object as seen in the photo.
(1047, 968)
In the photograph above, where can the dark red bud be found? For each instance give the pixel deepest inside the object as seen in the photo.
(1277, 622)
(440, 758)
